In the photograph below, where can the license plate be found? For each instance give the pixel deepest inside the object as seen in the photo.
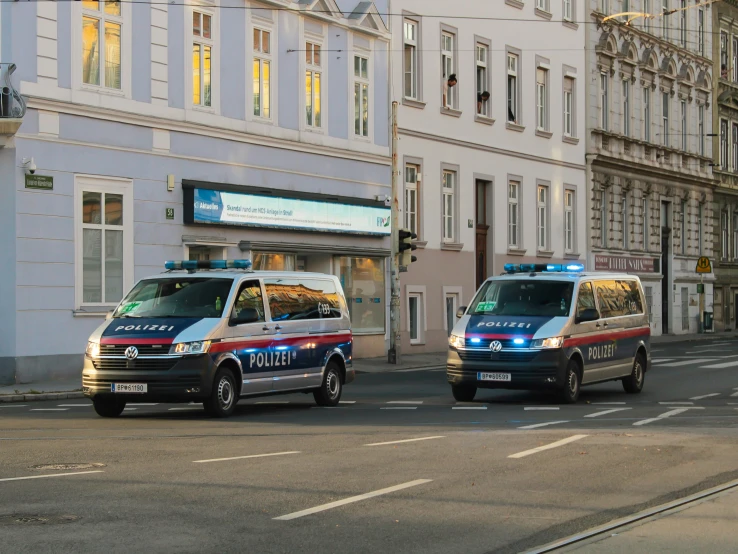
(493, 377)
(137, 388)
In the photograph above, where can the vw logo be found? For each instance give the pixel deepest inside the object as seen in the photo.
(131, 352)
(494, 346)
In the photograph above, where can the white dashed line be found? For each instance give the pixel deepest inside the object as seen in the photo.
(540, 408)
(184, 409)
(48, 476)
(405, 402)
(352, 499)
(274, 402)
(469, 407)
(705, 396)
(347, 402)
(605, 412)
(244, 457)
(547, 447)
(676, 403)
(15, 406)
(719, 366)
(537, 425)
(75, 405)
(665, 415)
(49, 409)
(734, 394)
(130, 409)
(405, 440)
(662, 361)
(400, 408)
(608, 403)
(141, 404)
(689, 362)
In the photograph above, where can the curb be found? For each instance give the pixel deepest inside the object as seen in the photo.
(39, 397)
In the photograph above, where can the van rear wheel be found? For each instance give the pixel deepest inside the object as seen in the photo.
(108, 407)
(464, 393)
(329, 393)
(633, 383)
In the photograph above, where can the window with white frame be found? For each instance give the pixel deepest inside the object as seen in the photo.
(724, 235)
(625, 216)
(683, 108)
(665, 119)
(701, 31)
(604, 220)
(569, 107)
(647, 114)
(262, 72)
(665, 22)
(410, 59)
(104, 227)
(513, 214)
(735, 236)
(645, 224)
(701, 128)
(542, 99)
(202, 58)
(102, 23)
(542, 217)
(448, 65)
(604, 102)
(724, 144)
(415, 317)
(543, 5)
(683, 24)
(313, 85)
(735, 147)
(683, 228)
(513, 92)
(412, 198)
(626, 107)
(568, 10)
(569, 221)
(482, 77)
(700, 213)
(449, 205)
(452, 305)
(361, 96)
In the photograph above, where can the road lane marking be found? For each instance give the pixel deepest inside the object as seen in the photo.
(130, 409)
(245, 457)
(608, 403)
(430, 368)
(605, 412)
(405, 440)
(274, 402)
(665, 415)
(352, 499)
(75, 405)
(47, 476)
(734, 394)
(719, 366)
(537, 425)
(142, 404)
(469, 407)
(15, 406)
(547, 446)
(49, 409)
(184, 409)
(400, 408)
(527, 408)
(676, 403)
(705, 396)
(662, 360)
(347, 402)
(688, 362)
(405, 402)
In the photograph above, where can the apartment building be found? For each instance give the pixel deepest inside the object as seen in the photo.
(207, 129)
(649, 152)
(492, 168)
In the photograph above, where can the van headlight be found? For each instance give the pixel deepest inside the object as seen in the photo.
(553, 342)
(455, 341)
(93, 349)
(197, 347)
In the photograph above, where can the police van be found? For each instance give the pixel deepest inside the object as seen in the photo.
(555, 327)
(214, 332)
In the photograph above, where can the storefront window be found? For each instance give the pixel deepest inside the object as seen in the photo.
(362, 280)
(274, 262)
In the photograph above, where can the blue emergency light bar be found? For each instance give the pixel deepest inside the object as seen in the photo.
(544, 268)
(208, 264)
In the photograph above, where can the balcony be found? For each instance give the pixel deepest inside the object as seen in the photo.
(12, 105)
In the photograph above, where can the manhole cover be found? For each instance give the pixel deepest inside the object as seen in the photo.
(35, 519)
(59, 467)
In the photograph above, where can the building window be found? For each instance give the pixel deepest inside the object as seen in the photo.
(104, 227)
(410, 59)
(604, 102)
(452, 304)
(724, 144)
(449, 206)
(482, 76)
(513, 215)
(412, 205)
(724, 235)
(101, 32)
(542, 5)
(734, 69)
(542, 99)
(647, 114)
(701, 31)
(645, 223)
(647, 20)
(683, 24)
(512, 88)
(701, 128)
(684, 124)
(448, 65)
(683, 229)
(665, 119)
(723, 55)
(568, 107)
(665, 22)
(363, 284)
(542, 217)
(262, 73)
(604, 6)
(361, 96)
(625, 216)
(603, 218)
(569, 221)
(735, 236)
(415, 319)
(568, 15)
(313, 88)
(626, 108)
(202, 56)
(649, 303)
(699, 229)
(735, 146)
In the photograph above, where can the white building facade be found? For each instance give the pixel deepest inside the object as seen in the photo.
(486, 181)
(649, 153)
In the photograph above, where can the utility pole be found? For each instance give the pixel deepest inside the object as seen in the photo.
(394, 355)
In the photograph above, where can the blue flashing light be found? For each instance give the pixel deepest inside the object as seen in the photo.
(476, 340)
(217, 264)
(518, 341)
(207, 264)
(553, 267)
(239, 264)
(282, 347)
(549, 268)
(575, 268)
(172, 265)
(512, 268)
(189, 264)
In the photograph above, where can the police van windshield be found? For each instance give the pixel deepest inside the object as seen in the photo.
(176, 297)
(529, 297)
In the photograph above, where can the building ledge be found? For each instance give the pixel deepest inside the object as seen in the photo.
(543, 133)
(570, 140)
(421, 243)
(484, 119)
(515, 127)
(453, 246)
(515, 4)
(545, 254)
(516, 252)
(410, 103)
(450, 111)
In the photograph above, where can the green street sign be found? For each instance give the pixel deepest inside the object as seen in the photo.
(43, 182)
(170, 213)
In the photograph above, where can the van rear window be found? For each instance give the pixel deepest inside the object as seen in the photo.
(301, 299)
(528, 297)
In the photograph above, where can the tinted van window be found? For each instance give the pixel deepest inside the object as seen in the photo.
(176, 297)
(249, 298)
(586, 299)
(524, 297)
(618, 298)
(632, 296)
(299, 299)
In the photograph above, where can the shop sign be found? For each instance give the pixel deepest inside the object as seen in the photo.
(234, 208)
(621, 263)
(704, 265)
(43, 182)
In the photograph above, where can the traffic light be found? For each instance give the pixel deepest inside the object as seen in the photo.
(407, 247)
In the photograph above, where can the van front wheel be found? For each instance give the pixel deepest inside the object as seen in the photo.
(329, 393)
(224, 396)
(572, 384)
(464, 393)
(108, 407)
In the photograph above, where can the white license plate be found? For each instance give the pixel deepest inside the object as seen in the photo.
(137, 388)
(493, 377)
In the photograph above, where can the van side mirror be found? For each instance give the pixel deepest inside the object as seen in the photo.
(460, 312)
(590, 314)
(246, 315)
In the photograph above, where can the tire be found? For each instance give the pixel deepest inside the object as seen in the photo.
(572, 384)
(329, 393)
(108, 407)
(633, 383)
(464, 393)
(224, 396)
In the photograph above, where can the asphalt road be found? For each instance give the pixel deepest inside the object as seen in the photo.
(286, 476)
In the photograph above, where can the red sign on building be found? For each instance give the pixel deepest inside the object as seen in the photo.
(620, 263)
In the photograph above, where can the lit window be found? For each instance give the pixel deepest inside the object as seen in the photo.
(202, 56)
(313, 88)
(262, 73)
(101, 44)
(361, 96)
(603, 218)
(665, 128)
(685, 142)
(625, 216)
(701, 128)
(724, 144)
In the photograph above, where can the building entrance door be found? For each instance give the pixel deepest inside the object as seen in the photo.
(482, 229)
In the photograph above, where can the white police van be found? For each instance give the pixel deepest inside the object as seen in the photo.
(214, 332)
(548, 326)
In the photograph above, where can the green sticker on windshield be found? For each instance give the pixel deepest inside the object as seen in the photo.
(131, 306)
(486, 306)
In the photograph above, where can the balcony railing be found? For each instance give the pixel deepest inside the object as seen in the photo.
(12, 105)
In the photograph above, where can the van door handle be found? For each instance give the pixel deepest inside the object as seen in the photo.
(277, 327)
